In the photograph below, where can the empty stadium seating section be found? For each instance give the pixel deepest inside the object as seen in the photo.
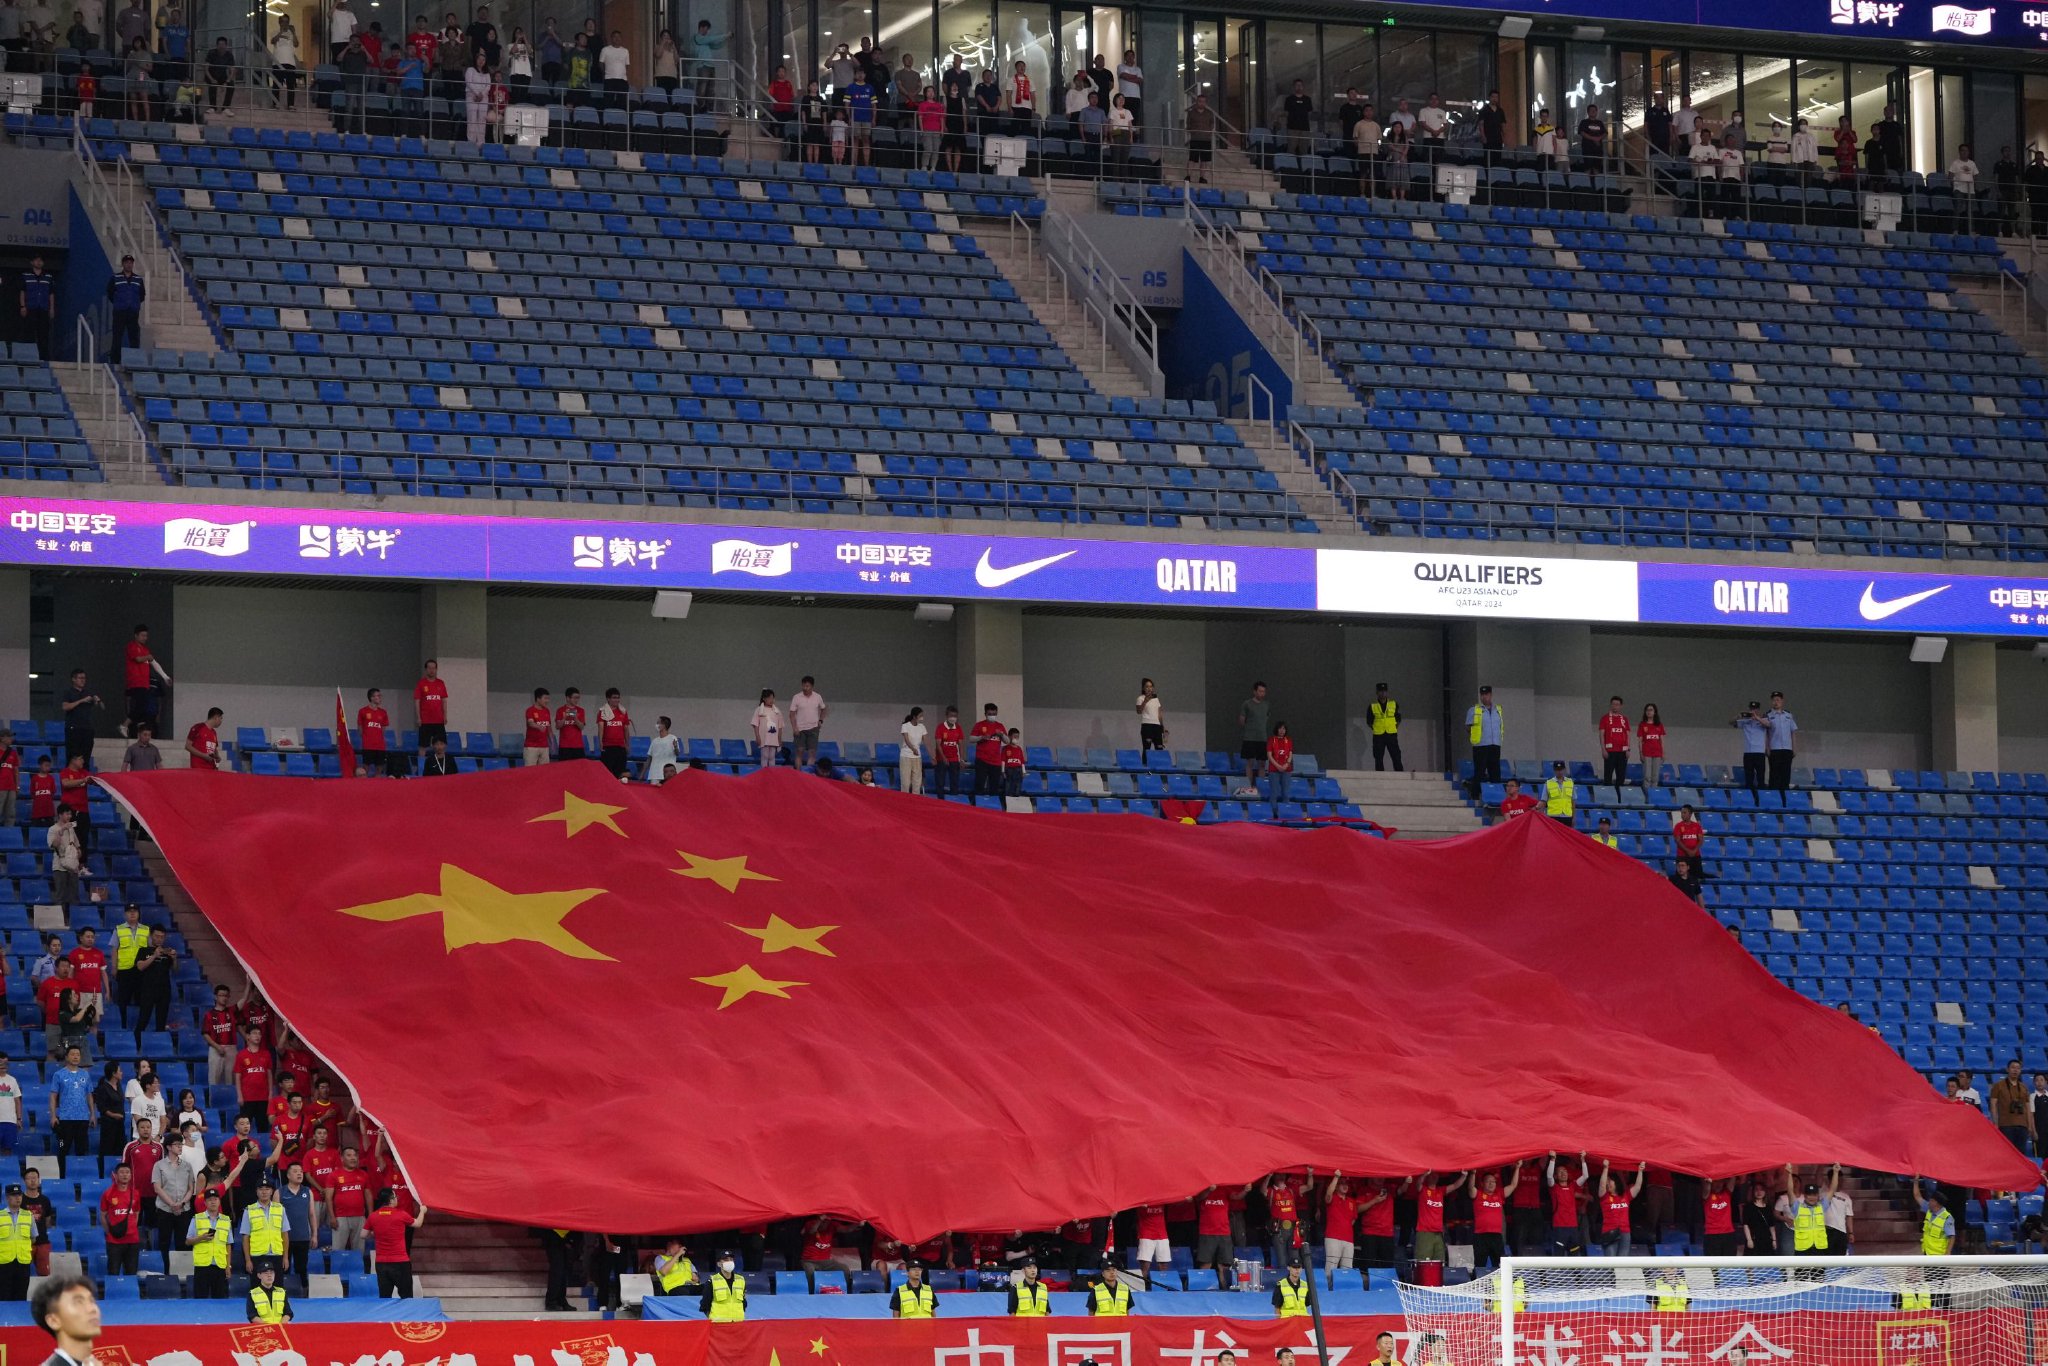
(1541, 375)
(39, 438)
(406, 317)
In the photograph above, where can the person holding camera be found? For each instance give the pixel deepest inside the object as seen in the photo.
(153, 969)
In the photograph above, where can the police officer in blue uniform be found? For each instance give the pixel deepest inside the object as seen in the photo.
(38, 305)
(125, 292)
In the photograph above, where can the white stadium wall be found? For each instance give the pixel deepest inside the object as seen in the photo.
(2022, 710)
(1081, 678)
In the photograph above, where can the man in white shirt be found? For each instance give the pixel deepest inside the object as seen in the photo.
(10, 1109)
(1434, 119)
(615, 61)
(341, 26)
(807, 712)
(1684, 122)
(1404, 116)
(1840, 1215)
(1130, 78)
(1966, 1088)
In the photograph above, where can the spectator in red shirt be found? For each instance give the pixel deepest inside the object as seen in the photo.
(540, 729)
(1564, 1204)
(1013, 764)
(10, 775)
(321, 1159)
(614, 733)
(75, 791)
(1650, 736)
(430, 697)
(256, 1013)
(1283, 1218)
(49, 995)
(252, 1076)
(290, 1131)
(296, 1062)
(1616, 1226)
(1376, 1230)
(1340, 1228)
(1687, 834)
(142, 1154)
(89, 966)
(1613, 729)
(1526, 1200)
(1154, 1248)
(1515, 802)
(1279, 761)
(202, 742)
(42, 793)
(373, 737)
(988, 736)
(1489, 1218)
(323, 1108)
(1213, 1243)
(121, 1219)
(1719, 1220)
(950, 744)
(139, 671)
(348, 1201)
(217, 1027)
(820, 1251)
(569, 719)
(391, 1228)
(1431, 1196)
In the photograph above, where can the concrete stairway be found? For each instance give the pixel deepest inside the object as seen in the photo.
(1017, 254)
(1300, 482)
(106, 422)
(1419, 805)
(121, 214)
(2006, 302)
(485, 1271)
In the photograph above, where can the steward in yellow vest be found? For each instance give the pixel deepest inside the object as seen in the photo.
(1937, 1225)
(1810, 1224)
(1029, 1299)
(1519, 1293)
(269, 1302)
(1290, 1294)
(211, 1236)
(1110, 1298)
(1384, 713)
(1557, 794)
(672, 1269)
(131, 937)
(17, 1247)
(265, 1226)
(1605, 834)
(1670, 1294)
(914, 1299)
(724, 1299)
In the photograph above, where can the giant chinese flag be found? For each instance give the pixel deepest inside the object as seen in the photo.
(730, 999)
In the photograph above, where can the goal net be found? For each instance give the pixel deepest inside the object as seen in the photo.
(1749, 1311)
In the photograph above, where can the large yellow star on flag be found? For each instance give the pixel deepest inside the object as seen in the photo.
(743, 982)
(474, 911)
(818, 1347)
(579, 815)
(728, 873)
(778, 934)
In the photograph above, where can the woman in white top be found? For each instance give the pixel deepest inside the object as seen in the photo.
(519, 65)
(1731, 157)
(1962, 172)
(144, 1069)
(664, 749)
(189, 1111)
(768, 728)
(1151, 729)
(910, 762)
(1805, 148)
(1122, 124)
(476, 96)
(285, 74)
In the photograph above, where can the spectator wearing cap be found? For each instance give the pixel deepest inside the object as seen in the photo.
(265, 1227)
(1779, 728)
(1484, 726)
(672, 1269)
(131, 937)
(1808, 1218)
(1383, 714)
(1291, 1292)
(1558, 794)
(390, 1230)
(269, 1302)
(1029, 1298)
(724, 1297)
(17, 1247)
(1109, 1297)
(1605, 834)
(211, 1236)
(913, 1299)
(1756, 734)
(125, 293)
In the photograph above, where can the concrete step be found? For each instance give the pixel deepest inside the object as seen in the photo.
(1021, 262)
(1285, 464)
(106, 424)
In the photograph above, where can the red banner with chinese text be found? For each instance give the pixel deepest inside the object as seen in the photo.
(1994, 1337)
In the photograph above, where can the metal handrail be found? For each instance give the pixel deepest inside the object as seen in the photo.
(1124, 321)
(1226, 255)
(1335, 480)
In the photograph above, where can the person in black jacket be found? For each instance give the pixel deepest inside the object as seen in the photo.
(438, 763)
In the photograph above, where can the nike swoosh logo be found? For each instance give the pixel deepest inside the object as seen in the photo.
(1873, 610)
(988, 576)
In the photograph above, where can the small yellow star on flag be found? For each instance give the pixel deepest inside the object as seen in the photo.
(474, 911)
(818, 1347)
(579, 815)
(743, 982)
(778, 934)
(728, 873)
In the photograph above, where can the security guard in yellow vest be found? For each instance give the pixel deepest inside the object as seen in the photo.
(1914, 1299)
(1487, 725)
(1937, 1225)
(17, 1247)
(724, 1299)
(1029, 1299)
(913, 1299)
(1810, 1224)
(265, 1228)
(1605, 834)
(131, 937)
(1290, 1293)
(269, 1302)
(1520, 1296)
(1557, 794)
(1384, 714)
(1669, 1294)
(673, 1269)
(1110, 1298)
(211, 1236)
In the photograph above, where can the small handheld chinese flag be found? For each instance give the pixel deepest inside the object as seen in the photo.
(345, 750)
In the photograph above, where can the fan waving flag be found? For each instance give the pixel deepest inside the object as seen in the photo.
(345, 750)
(772, 995)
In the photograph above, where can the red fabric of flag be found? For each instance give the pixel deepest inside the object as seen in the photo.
(575, 1003)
